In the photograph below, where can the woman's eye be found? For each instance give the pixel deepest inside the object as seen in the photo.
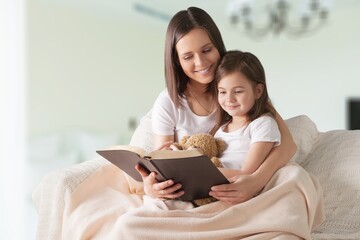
(187, 57)
(207, 50)
(222, 92)
(238, 91)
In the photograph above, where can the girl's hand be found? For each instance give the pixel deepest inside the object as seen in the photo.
(240, 189)
(164, 190)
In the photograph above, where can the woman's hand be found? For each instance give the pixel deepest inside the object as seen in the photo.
(240, 189)
(164, 190)
(152, 188)
(166, 145)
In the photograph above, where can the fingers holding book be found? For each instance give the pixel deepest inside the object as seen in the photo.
(164, 190)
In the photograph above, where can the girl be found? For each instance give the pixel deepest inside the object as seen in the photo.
(245, 120)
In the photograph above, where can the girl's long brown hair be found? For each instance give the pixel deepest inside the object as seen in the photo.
(250, 66)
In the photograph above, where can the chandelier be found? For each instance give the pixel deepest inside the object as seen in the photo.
(295, 18)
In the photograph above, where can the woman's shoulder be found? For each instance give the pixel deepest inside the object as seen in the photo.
(163, 99)
(164, 106)
(164, 94)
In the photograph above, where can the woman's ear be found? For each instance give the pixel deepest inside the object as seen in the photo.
(259, 89)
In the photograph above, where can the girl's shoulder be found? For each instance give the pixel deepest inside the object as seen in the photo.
(265, 119)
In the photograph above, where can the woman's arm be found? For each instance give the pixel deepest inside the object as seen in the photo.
(163, 141)
(244, 187)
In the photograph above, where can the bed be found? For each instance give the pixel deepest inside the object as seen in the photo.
(333, 157)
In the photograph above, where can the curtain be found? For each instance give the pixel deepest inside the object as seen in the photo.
(12, 118)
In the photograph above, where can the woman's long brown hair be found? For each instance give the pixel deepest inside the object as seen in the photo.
(181, 24)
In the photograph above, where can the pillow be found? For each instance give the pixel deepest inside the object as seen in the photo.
(89, 142)
(305, 134)
(335, 161)
(143, 136)
(44, 147)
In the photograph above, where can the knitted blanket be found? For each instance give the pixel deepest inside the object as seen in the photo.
(109, 205)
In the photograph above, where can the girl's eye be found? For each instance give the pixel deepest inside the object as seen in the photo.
(222, 92)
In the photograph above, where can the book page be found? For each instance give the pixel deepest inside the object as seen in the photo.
(141, 152)
(169, 154)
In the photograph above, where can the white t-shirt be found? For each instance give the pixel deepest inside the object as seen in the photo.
(262, 129)
(169, 120)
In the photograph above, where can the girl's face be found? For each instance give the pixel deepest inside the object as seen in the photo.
(198, 56)
(237, 94)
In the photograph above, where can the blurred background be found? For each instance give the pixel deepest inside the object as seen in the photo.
(78, 75)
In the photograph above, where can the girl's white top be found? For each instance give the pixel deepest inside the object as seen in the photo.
(262, 129)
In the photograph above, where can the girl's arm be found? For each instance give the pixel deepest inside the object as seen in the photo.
(279, 156)
(255, 157)
(244, 187)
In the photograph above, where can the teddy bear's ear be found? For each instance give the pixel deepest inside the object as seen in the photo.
(221, 145)
(184, 140)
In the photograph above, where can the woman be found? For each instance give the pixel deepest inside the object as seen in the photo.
(193, 49)
(109, 205)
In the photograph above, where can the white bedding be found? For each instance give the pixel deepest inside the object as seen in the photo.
(333, 157)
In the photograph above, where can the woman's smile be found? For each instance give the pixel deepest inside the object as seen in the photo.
(204, 71)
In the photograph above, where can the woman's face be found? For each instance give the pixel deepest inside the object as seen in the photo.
(198, 56)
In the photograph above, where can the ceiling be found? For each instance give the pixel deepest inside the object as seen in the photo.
(158, 11)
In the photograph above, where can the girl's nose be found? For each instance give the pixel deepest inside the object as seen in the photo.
(230, 97)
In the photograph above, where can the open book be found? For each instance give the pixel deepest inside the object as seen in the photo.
(193, 170)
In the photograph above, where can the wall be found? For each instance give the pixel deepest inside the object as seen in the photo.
(313, 75)
(95, 69)
(89, 71)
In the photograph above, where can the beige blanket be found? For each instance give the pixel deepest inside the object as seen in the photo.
(109, 205)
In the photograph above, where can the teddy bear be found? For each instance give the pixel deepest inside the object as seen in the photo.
(207, 145)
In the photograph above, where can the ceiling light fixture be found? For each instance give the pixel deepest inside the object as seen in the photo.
(278, 16)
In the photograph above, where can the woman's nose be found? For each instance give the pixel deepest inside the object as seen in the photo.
(198, 60)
